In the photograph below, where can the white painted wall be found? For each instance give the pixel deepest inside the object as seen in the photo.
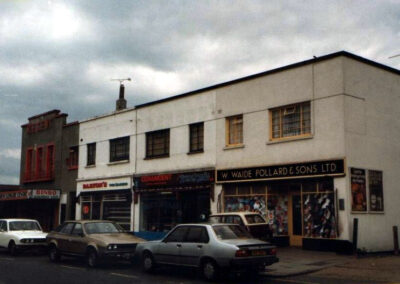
(372, 142)
(177, 115)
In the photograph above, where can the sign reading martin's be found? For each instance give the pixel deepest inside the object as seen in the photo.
(298, 170)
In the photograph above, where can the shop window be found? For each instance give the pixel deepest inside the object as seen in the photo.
(291, 121)
(119, 149)
(73, 159)
(319, 215)
(277, 213)
(157, 144)
(91, 154)
(234, 130)
(196, 137)
(358, 190)
(375, 191)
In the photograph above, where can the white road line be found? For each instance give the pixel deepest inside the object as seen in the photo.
(295, 281)
(72, 267)
(125, 275)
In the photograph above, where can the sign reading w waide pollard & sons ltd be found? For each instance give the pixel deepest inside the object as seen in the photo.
(297, 170)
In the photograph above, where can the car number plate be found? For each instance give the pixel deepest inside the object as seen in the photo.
(258, 252)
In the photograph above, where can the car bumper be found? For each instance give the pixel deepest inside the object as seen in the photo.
(258, 263)
(127, 255)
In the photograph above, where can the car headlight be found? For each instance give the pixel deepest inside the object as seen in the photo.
(112, 247)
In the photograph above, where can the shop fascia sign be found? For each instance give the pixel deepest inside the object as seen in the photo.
(106, 185)
(178, 179)
(297, 170)
(30, 194)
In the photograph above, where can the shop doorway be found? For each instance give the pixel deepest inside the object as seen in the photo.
(295, 227)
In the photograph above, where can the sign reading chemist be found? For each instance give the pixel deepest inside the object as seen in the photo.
(298, 170)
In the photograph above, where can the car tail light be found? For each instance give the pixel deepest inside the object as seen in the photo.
(272, 251)
(242, 253)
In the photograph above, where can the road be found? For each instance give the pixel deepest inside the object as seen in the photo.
(30, 268)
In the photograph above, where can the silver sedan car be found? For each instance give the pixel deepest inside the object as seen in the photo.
(210, 248)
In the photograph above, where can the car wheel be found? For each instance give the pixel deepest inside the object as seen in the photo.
(91, 258)
(148, 263)
(54, 254)
(12, 248)
(209, 270)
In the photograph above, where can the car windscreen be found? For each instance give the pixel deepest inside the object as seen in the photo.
(102, 228)
(254, 219)
(229, 232)
(24, 226)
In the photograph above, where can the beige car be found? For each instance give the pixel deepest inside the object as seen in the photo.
(95, 240)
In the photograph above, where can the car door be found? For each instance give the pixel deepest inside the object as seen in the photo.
(63, 236)
(168, 250)
(193, 247)
(4, 238)
(77, 240)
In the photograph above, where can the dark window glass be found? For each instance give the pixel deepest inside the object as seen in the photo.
(72, 161)
(77, 229)
(197, 235)
(3, 226)
(119, 149)
(231, 232)
(67, 228)
(178, 235)
(91, 154)
(157, 143)
(197, 137)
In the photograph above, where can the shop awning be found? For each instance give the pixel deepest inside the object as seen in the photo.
(23, 194)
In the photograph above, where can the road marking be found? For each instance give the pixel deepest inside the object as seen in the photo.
(125, 275)
(72, 267)
(295, 281)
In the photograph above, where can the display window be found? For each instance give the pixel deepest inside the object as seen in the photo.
(114, 207)
(162, 211)
(314, 201)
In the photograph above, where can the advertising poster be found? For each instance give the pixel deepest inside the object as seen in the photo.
(358, 190)
(375, 191)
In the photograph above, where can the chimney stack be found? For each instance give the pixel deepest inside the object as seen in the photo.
(121, 102)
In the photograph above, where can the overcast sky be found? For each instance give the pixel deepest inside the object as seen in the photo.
(62, 54)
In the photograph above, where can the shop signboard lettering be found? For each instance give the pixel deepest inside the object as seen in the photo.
(94, 185)
(112, 184)
(319, 168)
(179, 179)
(358, 190)
(30, 194)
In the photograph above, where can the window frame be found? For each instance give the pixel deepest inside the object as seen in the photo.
(196, 146)
(229, 129)
(150, 144)
(283, 110)
(91, 154)
(123, 142)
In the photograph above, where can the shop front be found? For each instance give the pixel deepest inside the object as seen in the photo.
(172, 198)
(39, 204)
(108, 199)
(298, 200)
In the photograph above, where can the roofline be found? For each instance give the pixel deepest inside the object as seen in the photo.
(107, 114)
(276, 70)
(57, 111)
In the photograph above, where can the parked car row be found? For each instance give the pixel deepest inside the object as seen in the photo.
(210, 247)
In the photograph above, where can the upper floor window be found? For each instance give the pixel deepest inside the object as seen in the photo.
(39, 163)
(119, 149)
(73, 159)
(91, 154)
(157, 143)
(196, 138)
(290, 121)
(234, 130)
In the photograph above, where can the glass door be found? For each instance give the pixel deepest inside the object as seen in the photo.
(295, 219)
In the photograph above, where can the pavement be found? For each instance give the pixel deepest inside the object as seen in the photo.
(295, 261)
